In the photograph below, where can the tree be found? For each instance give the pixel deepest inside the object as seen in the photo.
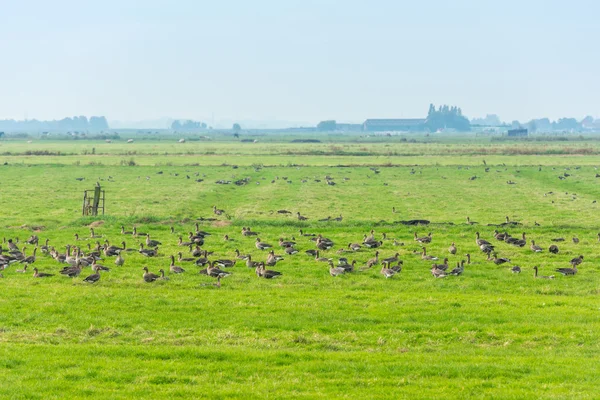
(176, 125)
(446, 117)
(236, 135)
(236, 127)
(1, 134)
(532, 126)
(328, 125)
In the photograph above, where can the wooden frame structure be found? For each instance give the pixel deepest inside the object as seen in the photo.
(93, 202)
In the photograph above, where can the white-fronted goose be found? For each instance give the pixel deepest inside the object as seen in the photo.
(93, 234)
(301, 217)
(248, 232)
(218, 211)
(37, 274)
(438, 273)
(162, 275)
(180, 258)
(30, 259)
(387, 272)
(180, 242)
(291, 250)
(152, 243)
(176, 269)
(535, 275)
(575, 240)
(268, 273)
(136, 233)
(426, 256)
(321, 259)
(499, 261)
(119, 261)
(93, 278)
(576, 261)
(148, 252)
(469, 222)
(392, 259)
(71, 272)
(480, 241)
(250, 263)
(423, 239)
(124, 232)
(374, 260)
(452, 249)
(535, 248)
(460, 267)
(149, 276)
(284, 243)
(215, 272)
(354, 246)
(567, 271)
(336, 271)
(261, 245)
(307, 234)
(443, 266)
(224, 263)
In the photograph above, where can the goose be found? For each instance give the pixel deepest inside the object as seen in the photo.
(338, 219)
(148, 252)
(30, 259)
(241, 256)
(307, 234)
(248, 232)
(452, 249)
(261, 245)
(180, 242)
(93, 278)
(575, 240)
(12, 246)
(225, 263)
(119, 261)
(567, 271)
(460, 267)
(392, 259)
(37, 274)
(398, 267)
(283, 243)
(516, 269)
(71, 272)
(480, 241)
(111, 251)
(217, 211)
(336, 271)
(269, 273)
(558, 239)
(181, 259)
(215, 272)
(535, 275)
(321, 259)
(124, 232)
(486, 248)
(311, 252)
(226, 238)
(374, 260)
(469, 222)
(33, 239)
(201, 232)
(354, 246)
(93, 234)
(175, 268)
(599, 237)
(371, 237)
(373, 245)
(520, 242)
(323, 244)
(386, 271)
(149, 276)
(152, 243)
(301, 217)
(325, 219)
(162, 275)
(291, 250)
(424, 239)
(124, 248)
(99, 267)
(44, 249)
(535, 248)
(425, 256)
(197, 252)
(136, 233)
(202, 261)
(576, 261)
(443, 266)
(438, 273)
(250, 263)
(22, 271)
(499, 261)
(500, 236)
(348, 267)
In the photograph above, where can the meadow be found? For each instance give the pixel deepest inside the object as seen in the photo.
(488, 333)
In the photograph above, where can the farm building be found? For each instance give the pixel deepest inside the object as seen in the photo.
(378, 125)
(517, 132)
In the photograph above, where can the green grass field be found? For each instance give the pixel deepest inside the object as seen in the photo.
(485, 334)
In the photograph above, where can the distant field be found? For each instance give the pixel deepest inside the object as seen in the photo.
(487, 334)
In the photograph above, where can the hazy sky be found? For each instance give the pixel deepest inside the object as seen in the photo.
(302, 60)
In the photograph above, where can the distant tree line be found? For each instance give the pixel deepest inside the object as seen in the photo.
(446, 117)
(81, 123)
(188, 125)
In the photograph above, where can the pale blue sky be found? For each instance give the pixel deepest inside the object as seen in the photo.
(298, 60)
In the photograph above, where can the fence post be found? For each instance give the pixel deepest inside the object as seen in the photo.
(96, 200)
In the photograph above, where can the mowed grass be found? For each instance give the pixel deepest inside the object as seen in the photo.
(486, 334)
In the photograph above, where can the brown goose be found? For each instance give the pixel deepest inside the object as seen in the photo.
(22, 271)
(72, 272)
(374, 260)
(321, 259)
(311, 252)
(148, 252)
(323, 244)
(37, 274)
(124, 232)
(336, 271)
(427, 257)
(392, 259)
(499, 261)
(30, 259)
(93, 234)
(567, 271)
(93, 278)
(480, 242)
(176, 269)
(202, 261)
(291, 250)
(553, 249)
(149, 276)
(443, 266)
(535, 248)
(269, 273)
(162, 275)
(452, 248)
(261, 245)
(354, 246)
(119, 261)
(576, 261)
(136, 233)
(387, 272)
(99, 267)
(535, 275)
(516, 269)
(438, 273)
(286, 243)
(250, 263)
(575, 240)
(180, 242)
(224, 263)
(215, 272)
(460, 267)
(423, 239)
(124, 248)
(248, 232)
(301, 217)
(469, 222)
(180, 258)
(217, 211)
(151, 242)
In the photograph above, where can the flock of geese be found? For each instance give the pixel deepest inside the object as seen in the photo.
(76, 257)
